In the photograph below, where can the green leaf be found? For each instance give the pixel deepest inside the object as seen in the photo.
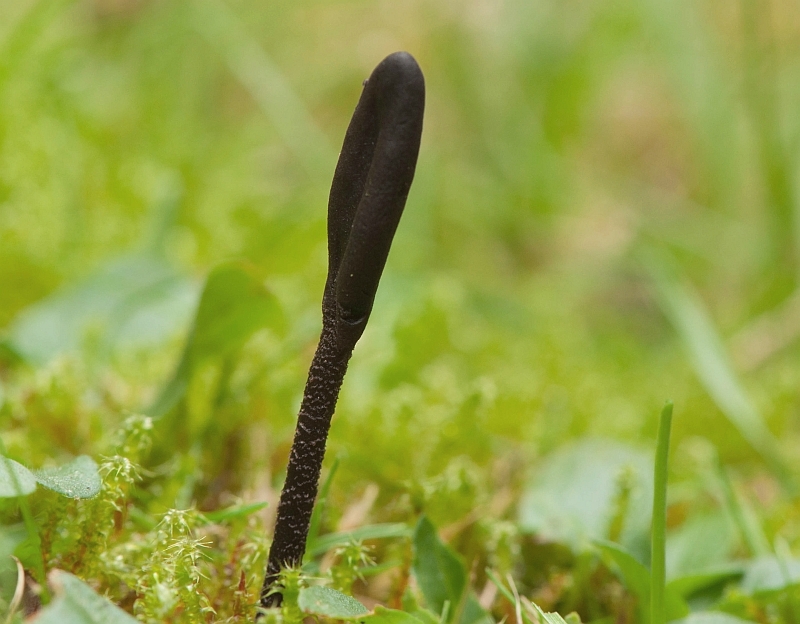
(411, 605)
(330, 603)
(78, 479)
(711, 617)
(15, 479)
(231, 513)
(711, 364)
(703, 542)
(10, 538)
(439, 572)
(372, 531)
(136, 299)
(382, 615)
(442, 576)
(573, 495)
(636, 578)
(77, 603)
(233, 306)
(473, 612)
(548, 618)
(744, 516)
(690, 584)
(769, 574)
(632, 572)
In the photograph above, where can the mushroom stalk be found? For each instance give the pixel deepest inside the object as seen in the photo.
(368, 194)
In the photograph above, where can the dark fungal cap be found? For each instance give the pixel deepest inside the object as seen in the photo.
(401, 81)
(370, 186)
(404, 66)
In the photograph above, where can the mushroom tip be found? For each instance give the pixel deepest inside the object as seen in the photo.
(403, 66)
(401, 58)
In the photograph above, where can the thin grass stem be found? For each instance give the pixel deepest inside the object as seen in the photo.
(659, 533)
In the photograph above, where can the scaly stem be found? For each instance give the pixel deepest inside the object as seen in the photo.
(305, 462)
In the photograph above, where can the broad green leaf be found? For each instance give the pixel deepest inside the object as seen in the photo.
(412, 606)
(473, 612)
(636, 578)
(633, 574)
(439, 572)
(15, 479)
(373, 531)
(770, 574)
(77, 479)
(702, 542)
(442, 577)
(711, 617)
(330, 603)
(8, 354)
(686, 586)
(382, 615)
(574, 493)
(10, 537)
(233, 306)
(136, 299)
(77, 603)
(153, 314)
(712, 365)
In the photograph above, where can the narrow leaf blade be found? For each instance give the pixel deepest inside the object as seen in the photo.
(712, 364)
(382, 615)
(372, 531)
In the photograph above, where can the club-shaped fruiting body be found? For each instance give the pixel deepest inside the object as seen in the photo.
(368, 194)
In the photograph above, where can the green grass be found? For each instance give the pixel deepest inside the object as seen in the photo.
(658, 536)
(604, 214)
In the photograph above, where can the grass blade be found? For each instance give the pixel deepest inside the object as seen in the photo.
(712, 365)
(263, 79)
(658, 540)
(319, 510)
(743, 516)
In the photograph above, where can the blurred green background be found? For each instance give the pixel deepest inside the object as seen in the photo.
(604, 216)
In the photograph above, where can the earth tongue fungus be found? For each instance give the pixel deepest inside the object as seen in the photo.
(368, 194)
